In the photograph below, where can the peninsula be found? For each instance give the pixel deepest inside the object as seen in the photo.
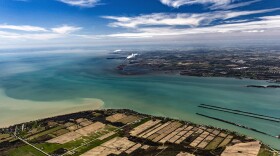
(123, 132)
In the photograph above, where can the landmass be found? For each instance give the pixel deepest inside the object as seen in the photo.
(124, 132)
(257, 64)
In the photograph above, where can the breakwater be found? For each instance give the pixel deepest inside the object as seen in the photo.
(240, 112)
(235, 124)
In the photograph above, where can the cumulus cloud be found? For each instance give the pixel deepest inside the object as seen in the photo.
(66, 29)
(81, 3)
(213, 4)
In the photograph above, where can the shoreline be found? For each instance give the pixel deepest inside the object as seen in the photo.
(239, 130)
(129, 111)
(87, 104)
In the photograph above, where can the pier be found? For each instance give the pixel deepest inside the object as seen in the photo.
(235, 124)
(239, 112)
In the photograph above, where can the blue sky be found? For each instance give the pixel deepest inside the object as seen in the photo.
(35, 23)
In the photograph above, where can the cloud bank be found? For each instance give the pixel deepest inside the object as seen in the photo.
(22, 27)
(36, 33)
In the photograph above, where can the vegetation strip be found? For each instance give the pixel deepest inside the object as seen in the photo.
(253, 116)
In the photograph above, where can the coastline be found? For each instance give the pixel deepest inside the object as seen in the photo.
(80, 110)
(129, 111)
(57, 112)
(27, 110)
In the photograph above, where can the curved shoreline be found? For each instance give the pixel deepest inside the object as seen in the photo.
(67, 111)
(25, 110)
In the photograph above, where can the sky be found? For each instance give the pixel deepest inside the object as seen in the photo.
(64, 23)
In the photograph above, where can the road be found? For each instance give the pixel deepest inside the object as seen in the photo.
(38, 149)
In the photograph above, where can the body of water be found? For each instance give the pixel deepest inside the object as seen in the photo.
(60, 79)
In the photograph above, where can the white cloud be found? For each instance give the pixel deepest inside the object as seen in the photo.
(155, 19)
(22, 27)
(32, 36)
(178, 3)
(154, 27)
(180, 19)
(253, 31)
(267, 23)
(42, 34)
(213, 4)
(66, 29)
(81, 3)
(232, 6)
(118, 50)
(232, 14)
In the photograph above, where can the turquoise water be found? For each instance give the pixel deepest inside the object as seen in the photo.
(67, 77)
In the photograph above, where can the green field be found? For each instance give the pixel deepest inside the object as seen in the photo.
(92, 145)
(24, 151)
(5, 137)
(51, 147)
(265, 152)
(214, 143)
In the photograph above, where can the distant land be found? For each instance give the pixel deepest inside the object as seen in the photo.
(235, 62)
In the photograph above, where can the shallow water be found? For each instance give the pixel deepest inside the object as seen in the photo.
(60, 78)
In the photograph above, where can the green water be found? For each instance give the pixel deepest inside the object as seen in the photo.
(174, 96)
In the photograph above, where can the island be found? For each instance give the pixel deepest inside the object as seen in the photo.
(123, 132)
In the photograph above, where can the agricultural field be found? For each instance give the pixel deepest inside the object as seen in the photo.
(123, 132)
